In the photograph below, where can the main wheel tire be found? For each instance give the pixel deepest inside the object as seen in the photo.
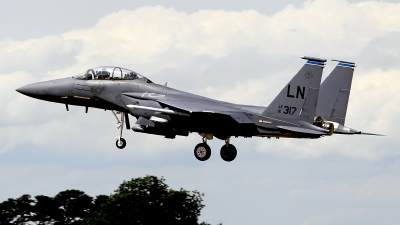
(202, 152)
(121, 143)
(228, 153)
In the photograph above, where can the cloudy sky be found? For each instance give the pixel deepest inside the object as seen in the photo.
(242, 52)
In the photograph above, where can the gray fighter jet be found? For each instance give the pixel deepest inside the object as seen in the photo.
(165, 111)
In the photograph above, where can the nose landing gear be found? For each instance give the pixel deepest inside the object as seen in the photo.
(121, 142)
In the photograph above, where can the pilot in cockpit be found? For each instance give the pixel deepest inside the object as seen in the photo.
(102, 74)
(131, 76)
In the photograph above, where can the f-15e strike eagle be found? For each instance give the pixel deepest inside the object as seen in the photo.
(303, 109)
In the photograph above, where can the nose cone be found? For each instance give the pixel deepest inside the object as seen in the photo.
(34, 90)
(50, 90)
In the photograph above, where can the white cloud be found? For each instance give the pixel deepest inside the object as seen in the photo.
(384, 189)
(381, 189)
(38, 55)
(147, 35)
(331, 217)
(341, 28)
(143, 35)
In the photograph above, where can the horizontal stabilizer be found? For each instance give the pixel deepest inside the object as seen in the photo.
(302, 130)
(340, 129)
(372, 134)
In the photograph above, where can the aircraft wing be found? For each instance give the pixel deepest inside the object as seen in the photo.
(197, 106)
(202, 106)
(207, 108)
(191, 105)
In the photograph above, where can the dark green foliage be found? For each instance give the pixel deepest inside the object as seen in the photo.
(67, 207)
(146, 200)
(17, 211)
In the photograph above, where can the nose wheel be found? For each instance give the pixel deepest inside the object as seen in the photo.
(121, 143)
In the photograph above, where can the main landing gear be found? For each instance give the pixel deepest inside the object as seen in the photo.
(228, 152)
(202, 151)
(121, 142)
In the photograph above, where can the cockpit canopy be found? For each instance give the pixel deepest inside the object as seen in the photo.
(111, 73)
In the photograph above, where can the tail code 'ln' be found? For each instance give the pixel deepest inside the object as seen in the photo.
(299, 97)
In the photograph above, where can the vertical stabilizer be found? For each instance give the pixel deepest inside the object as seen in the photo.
(335, 92)
(298, 99)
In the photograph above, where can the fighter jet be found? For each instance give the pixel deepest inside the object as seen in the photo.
(161, 110)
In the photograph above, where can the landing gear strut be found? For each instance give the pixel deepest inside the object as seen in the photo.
(228, 152)
(121, 142)
(202, 151)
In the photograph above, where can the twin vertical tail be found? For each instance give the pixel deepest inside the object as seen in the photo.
(335, 92)
(298, 99)
(324, 105)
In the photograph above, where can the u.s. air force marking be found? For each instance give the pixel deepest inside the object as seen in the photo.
(308, 74)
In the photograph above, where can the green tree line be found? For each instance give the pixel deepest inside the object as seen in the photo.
(143, 201)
